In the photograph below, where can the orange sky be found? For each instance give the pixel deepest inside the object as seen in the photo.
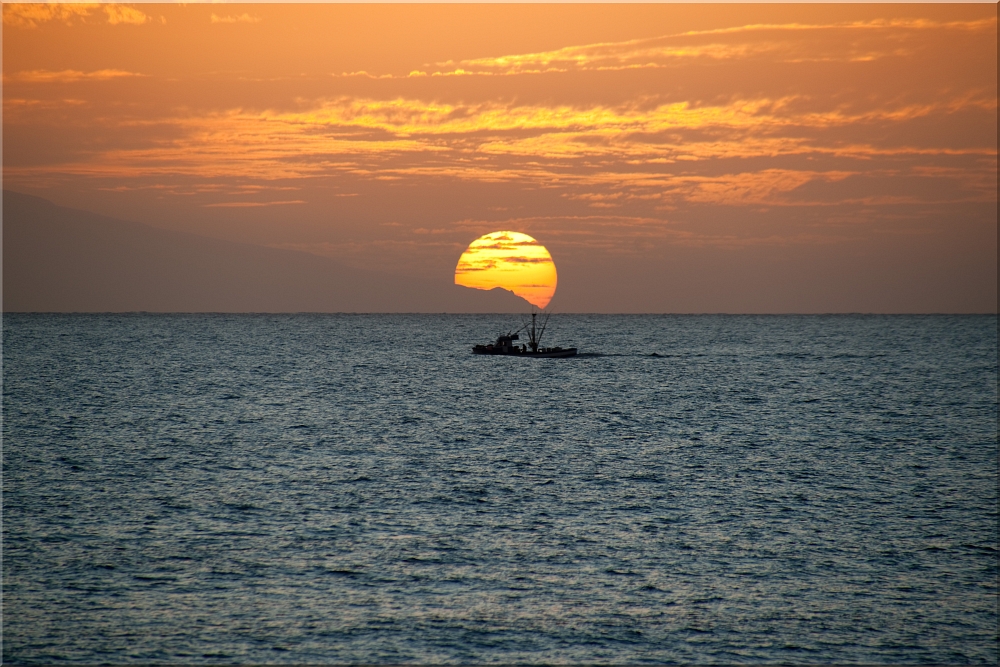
(673, 158)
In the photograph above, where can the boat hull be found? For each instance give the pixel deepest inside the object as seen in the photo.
(547, 354)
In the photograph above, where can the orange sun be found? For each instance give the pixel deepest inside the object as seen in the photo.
(511, 260)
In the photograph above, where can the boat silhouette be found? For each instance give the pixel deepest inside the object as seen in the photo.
(506, 346)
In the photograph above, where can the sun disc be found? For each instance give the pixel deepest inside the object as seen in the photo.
(511, 260)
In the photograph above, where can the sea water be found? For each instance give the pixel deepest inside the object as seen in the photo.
(362, 488)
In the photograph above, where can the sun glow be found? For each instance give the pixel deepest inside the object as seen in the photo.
(511, 260)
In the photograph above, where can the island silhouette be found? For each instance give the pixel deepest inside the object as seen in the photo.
(58, 259)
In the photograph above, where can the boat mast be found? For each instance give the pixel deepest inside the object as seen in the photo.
(536, 335)
(542, 332)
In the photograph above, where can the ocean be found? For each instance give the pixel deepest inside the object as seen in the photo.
(363, 489)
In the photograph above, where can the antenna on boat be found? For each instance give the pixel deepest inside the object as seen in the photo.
(545, 323)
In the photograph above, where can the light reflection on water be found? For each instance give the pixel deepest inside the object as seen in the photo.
(363, 489)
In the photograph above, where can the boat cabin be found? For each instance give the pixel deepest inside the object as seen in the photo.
(506, 344)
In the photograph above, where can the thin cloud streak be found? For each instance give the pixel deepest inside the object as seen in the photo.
(242, 18)
(69, 75)
(247, 204)
(661, 52)
(666, 57)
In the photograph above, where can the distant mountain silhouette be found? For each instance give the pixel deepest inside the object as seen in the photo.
(58, 259)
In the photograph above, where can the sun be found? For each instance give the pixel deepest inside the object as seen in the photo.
(511, 260)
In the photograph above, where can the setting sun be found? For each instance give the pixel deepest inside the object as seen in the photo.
(677, 157)
(511, 260)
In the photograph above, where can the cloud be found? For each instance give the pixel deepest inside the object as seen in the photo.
(746, 151)
(878, 24)
(14, 104)
(560, 125)
(787, 42)
(69, 75)
(124, 14)
(633, 54)
(30, 15)
(759, 187)
(480, 265)
(248, 204)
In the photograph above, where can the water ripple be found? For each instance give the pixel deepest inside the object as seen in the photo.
(362, 489)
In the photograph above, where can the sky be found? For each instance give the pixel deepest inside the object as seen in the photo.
(670, 158)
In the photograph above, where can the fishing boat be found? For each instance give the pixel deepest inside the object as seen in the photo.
(505, 344)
